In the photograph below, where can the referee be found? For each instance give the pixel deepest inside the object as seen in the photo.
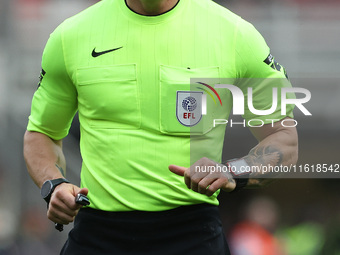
(126, 66)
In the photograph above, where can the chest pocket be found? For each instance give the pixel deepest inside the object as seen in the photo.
(181, 101)
(108, 96)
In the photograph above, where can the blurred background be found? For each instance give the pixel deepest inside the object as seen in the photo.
(291, 217)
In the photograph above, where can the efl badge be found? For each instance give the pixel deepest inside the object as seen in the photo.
(189, 107)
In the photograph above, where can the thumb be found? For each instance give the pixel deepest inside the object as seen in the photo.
(83, 191)
(179, 170)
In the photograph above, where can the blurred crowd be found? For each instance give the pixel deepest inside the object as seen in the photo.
(261, 231)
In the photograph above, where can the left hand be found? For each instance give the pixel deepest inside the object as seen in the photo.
(206, 176)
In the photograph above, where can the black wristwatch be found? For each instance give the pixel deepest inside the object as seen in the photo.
(49, 186)
(240, 171)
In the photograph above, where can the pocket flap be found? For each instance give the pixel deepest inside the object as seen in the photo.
(91, 75)
(183, 75)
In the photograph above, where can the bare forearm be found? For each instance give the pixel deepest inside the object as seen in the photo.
(278, 149)
(44, 157)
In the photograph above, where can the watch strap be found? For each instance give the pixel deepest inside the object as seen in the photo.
(241, 183)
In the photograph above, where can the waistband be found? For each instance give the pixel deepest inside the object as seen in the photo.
(198, 209)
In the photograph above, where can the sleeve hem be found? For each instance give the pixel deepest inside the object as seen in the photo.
(53, 135)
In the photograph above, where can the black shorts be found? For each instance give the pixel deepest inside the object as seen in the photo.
(186, 230)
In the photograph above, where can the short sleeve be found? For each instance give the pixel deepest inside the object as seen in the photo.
(54, 103)
(259, 73)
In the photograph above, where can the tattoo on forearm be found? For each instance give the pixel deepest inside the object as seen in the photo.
(60, 169)
(260, 157)
(264, 156)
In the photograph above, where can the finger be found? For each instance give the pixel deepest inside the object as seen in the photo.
(77, 190)
(192, 179)
(65, 197)
(204, 184)
(182, 171)
(58, 212)
(216, 185)
(187, 179)
(195, 179)
(57, 205)
(60, 217)
(179, 170)
(83, 191)
(229, 186)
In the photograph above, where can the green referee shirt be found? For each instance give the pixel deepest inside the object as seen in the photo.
(128, 76)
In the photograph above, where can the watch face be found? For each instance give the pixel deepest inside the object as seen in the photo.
(46, 188)
(239, 167)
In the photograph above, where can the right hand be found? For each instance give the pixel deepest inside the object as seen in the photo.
(63, 208)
